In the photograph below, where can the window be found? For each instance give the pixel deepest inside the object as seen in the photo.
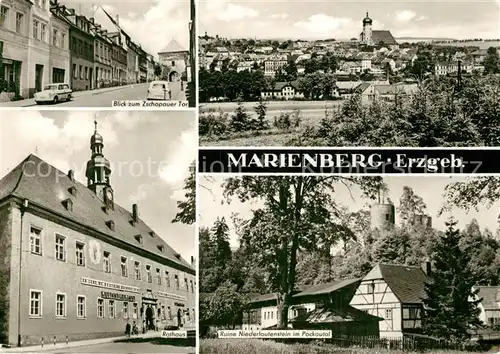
(75, 71)
(158, 276)
(125, 310)
(111, 308)
(43, 4)
(135, 310)
(370, 288)
(169, 313)
(60, 305)
(100, 308)
(43, 32)
(35, 240)
(192, 286)
(193, 312)
(167, 279)
(124, 267)
(173, 63)
(80, 70)
(80, 254)
(35, 29)
(148, 272)
(388, 314)
(54, 37)
(188, 314)
(4, 14)
(81, 310)
(63, 40)
(60, 248)
(35, 303)
(137, 267)
(177, 282)
(186, 285)
(107, 262)
(19, 22)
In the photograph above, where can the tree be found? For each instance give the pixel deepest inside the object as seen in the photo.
(451, 303)
(187, 213)
(223, 307)
(261, 110)
(240, 119)
(158, 70)
(297, 213)
(491, 61)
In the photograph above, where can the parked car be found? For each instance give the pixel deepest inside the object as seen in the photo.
(159, 90)
(54, 93)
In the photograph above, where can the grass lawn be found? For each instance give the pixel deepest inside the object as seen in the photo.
(257, 346)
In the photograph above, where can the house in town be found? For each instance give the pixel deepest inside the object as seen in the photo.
(489, 305)
(323, 306)
(174, 59)
(283, 91)
(446, 68)
(273, 64)
(394, 293)
(103, 49)
(118, 59)
(76, 265)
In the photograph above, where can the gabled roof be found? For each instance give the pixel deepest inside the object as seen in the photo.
(173, 47)
(327, 288)
(383, 36)
(47, 187)
(334, 314)
(490, 296)
(406, 282)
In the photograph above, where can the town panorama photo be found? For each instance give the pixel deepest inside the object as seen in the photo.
(342, 73)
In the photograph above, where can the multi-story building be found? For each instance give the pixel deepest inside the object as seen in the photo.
(174, 60)
(118, 59)
(15, 29)
(151, 68)
(394, 293)
(103, 69)
(82, 51)
(59, 54)
(273, 64)
(489, 305)
(142, 58)
(76, 265)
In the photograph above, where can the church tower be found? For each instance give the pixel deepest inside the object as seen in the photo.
(366, 35)
(99, 170)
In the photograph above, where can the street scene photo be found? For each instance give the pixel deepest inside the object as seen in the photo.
(337, 73)
(67, 53)
(386, 264)
(97, 238)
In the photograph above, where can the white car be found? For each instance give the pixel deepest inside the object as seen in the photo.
(54, 93)
(159, 90)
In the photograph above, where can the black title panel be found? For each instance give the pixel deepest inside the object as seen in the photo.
(350, 161)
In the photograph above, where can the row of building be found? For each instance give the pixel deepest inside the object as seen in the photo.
(44, 41)
(76, 265)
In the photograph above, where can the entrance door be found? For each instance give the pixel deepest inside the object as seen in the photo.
(179, 318)
(57, 76)
(173, 76)
(38, 77)
(149, 318)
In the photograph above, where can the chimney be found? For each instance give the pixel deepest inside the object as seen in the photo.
(71, 175)
(117, 20)
(192, 261)
(427, 268)
(135, 212)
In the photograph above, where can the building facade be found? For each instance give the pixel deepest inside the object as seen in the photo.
(82, 52)
(174, 59)
(15, 27)
(103, 69)
(393, 293)
(102, 266)
(118, 59)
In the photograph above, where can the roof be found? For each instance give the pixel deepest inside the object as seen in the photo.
(406, 282)
(383, 36)
(333, 314)
(327, 288)
(173, 47)
(490, 296)
(362, 87)
(47, 187)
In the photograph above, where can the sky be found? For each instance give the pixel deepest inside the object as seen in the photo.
(149, 152)
(150, 23)
(342, 19)
(211, 203)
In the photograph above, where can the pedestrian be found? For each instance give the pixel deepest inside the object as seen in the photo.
(144, 326)
(127, 330)
(135, 330)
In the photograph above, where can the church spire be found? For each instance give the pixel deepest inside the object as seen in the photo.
(99, 169)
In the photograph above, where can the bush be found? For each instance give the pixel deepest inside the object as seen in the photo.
(213, 124)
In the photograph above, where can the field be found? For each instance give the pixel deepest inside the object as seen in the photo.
(255, 346)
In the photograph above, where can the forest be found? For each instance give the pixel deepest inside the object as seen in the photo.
(300, 236)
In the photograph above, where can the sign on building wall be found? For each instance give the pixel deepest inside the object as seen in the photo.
(172, 296)
(109, 285)
(116, 296)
